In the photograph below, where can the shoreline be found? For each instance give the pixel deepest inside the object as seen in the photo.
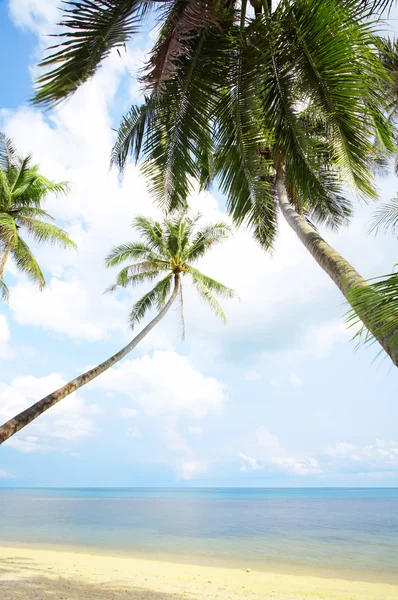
(27, 572)
(205, 561)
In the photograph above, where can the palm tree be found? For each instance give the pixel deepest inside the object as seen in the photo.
(280, 105)
(22, 190)
(168, 250)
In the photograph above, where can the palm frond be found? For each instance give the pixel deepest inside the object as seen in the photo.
(26, 262)
(8, 230)
(126, 278)
(377, 303)
(385, 217)
(204, 239)
(8, 153)
(131, 251)
(4, 292)
(91, 31)
(131, 133)
(211, 284)
(45, 232)
(341, 75)
(178, 141)
(182, 22)
(150, 300)
(206, 294)
(242, 139)
(152, 233)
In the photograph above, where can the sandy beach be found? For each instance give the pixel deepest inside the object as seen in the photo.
(30, 574)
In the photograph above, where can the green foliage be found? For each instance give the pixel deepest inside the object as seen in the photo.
(168, 250)
(22, 189)
(91, 31)
(377, 302)
(300, 91)
(241, 96)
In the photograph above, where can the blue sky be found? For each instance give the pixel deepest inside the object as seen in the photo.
(277, 397)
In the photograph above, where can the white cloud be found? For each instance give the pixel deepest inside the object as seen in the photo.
(275, 384)
(188, 469)
(248, 463)
(37, 15)
(268, 443)
(252, 375)
(57, 429)
(268, 452)
(174, 440)
(380, 454)
(6, 475)
(134, 432)
(129, 412)
(297, 465)
(320, 339)
(294, 379)
(195, 430)
(165, 383)
(5, 350)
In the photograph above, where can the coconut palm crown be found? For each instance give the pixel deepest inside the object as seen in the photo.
(169, 250)
(22, 190)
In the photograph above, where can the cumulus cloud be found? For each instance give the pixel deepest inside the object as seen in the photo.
(252, 375)
(294, 379)
(188, 469)
(5, 349)
(248, 463)
(269, 453)
(59, 428)
(382, 455)
(6, 475)
(165, 383)
(129, 412)
(195, 430)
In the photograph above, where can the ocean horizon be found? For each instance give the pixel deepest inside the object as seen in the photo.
(340, 532)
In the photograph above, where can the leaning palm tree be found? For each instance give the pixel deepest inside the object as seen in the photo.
(22, 191)
(167, 250)
(281, 104)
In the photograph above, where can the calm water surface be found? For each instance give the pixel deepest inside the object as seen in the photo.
(344, 532)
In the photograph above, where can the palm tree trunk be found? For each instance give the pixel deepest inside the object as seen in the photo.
(34, 411)
(338, 268)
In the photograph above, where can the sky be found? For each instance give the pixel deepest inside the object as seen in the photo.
(279, 396)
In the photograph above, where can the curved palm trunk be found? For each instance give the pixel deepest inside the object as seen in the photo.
(338, 268)
(34, 411)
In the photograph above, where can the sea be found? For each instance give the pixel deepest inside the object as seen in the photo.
(346, 533)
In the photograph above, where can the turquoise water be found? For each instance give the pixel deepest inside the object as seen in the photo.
(345, 532)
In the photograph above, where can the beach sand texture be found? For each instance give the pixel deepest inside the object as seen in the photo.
(30, 574)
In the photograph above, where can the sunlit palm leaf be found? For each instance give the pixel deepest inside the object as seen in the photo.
(90, 31)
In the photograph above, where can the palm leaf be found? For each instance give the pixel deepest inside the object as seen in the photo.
(8, 153)
(4, 292)
(151, 299)
(377, 302)
(386, 217)
(45, 232)
(8, 230)
(182, 22)
(211, 284)
(26, 262)
(91, 31)
(131, 251)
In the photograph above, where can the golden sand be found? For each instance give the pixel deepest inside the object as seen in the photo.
(29, 574)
